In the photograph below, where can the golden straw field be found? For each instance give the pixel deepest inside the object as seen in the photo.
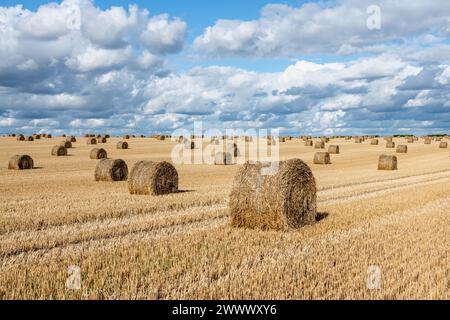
(181, 246)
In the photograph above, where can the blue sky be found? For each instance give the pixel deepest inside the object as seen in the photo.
(304, 67)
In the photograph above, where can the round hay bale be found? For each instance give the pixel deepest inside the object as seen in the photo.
(161, 138)
(72, 139)
(223, 158)
(410, 140)
(20, 138)
(308, 143)
(322, 158)
(59, 151)
(49, 136)
(122, 145)
(66, 144)
(107, 136)
(390, 144)
(443, 145)
(98, 153)
(37, 136)
(126, 137)
(153, 178)
(102, 140)
(91, 141)
(358, 140)
(387, 162)
(30, 138)
(99, 136)
(21, 162)
(402, 148)
(282, 201)
(319, 145)
(111, 170)
(282, 139)
(189, 145)
(333, 149)
(388, 139)
(13, 135)
(63, 136)
(427, 141)
(374, 142)
(233, 149)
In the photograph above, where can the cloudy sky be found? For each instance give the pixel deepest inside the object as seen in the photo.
(153, 66)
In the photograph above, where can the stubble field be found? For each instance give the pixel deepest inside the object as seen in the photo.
(180, 246)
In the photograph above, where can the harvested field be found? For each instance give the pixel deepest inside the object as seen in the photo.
(181, 245)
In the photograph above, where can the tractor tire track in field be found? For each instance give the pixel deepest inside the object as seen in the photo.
(37, 242)
(378, 191)
(84, 247)
(26, 241)
(376, 181)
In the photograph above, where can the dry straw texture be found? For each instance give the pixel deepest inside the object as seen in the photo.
(309, 143)
(390, 144)
(20, 138)
(111, 170)
(358, 140)
(402, 148)
(320, 145)
(30, 138)
(122, 145)
(223, 158)
(427, 141)
(282, 201)
(374, 142)
(72, 139)
(410, 140)
(153, 178)
(333, 149)
(98, 153)
(126, 137)
(443, 145)
(91, 141)
(387, 162)
(59, 151)
(20, 162)
(102, 140)
(322, 158)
